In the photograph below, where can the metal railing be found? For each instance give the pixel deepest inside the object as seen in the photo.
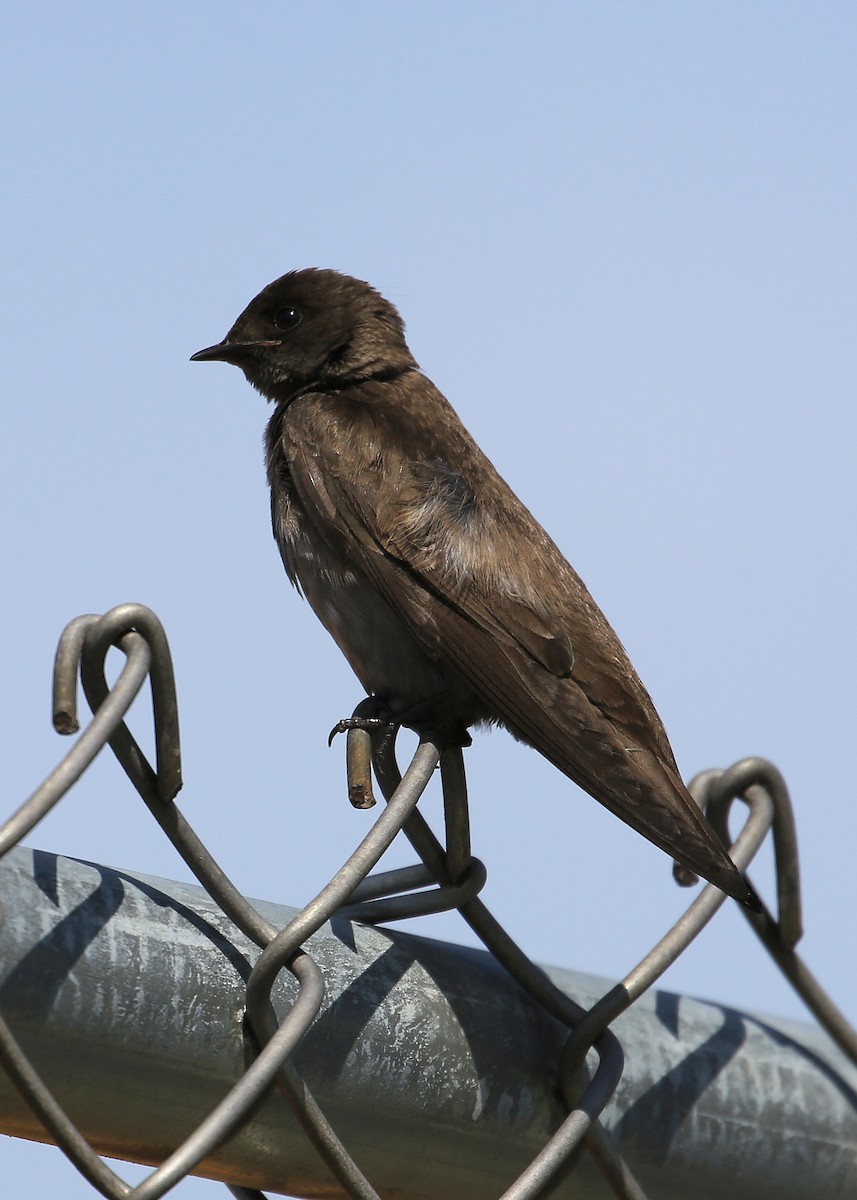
(448, 876)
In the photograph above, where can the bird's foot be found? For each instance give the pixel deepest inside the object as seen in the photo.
(369, 724)
(378, 726)
(371, 715)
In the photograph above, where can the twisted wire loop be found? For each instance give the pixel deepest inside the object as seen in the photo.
(84, 644)
(448, 876)
(689, 925)
(453, 862)
(779, 935)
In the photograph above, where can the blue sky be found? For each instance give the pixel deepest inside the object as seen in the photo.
(622, 239)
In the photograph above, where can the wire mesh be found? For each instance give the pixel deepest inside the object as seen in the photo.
(447, 877)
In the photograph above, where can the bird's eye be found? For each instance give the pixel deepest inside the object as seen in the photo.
(288, 317)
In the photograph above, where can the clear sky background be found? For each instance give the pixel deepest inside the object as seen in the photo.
(622, 237)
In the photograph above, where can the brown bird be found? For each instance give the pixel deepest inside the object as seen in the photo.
(450, 602)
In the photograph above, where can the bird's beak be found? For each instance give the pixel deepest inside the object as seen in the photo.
(212, 353)
(227, 351)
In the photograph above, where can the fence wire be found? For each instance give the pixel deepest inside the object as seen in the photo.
(447, 877)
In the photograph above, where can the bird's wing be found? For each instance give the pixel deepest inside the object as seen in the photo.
(520, 627)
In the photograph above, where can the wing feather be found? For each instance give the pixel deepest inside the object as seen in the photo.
(441, 540)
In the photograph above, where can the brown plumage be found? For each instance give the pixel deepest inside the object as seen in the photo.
(451, 603)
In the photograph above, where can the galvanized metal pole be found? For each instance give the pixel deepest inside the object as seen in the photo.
(437, 1072)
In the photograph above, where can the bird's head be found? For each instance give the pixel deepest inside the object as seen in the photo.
(314, 329)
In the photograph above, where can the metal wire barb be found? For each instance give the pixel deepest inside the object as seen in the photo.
(446, 877)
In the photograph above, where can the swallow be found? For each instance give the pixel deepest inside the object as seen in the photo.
(452, 604)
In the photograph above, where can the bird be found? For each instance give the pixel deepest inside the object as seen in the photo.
(453, 606)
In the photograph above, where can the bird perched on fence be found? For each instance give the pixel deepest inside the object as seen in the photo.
(450, 602)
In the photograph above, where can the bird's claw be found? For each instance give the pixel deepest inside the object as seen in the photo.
(370, 724)
(358, 754)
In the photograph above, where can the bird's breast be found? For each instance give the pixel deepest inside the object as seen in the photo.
(381, 649)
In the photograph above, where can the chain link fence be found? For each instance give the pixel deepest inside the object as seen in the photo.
(448, 876)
